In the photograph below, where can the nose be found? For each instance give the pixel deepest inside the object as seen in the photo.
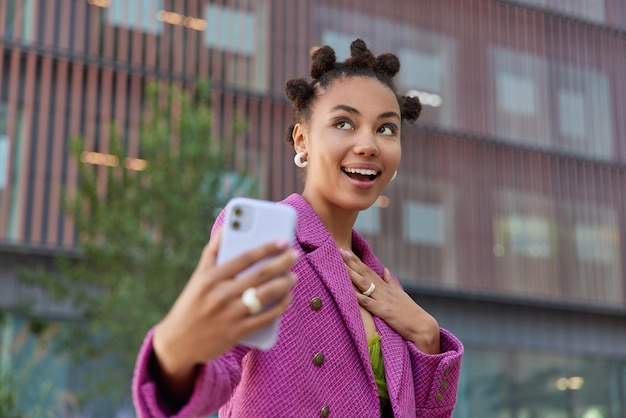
(366, 145)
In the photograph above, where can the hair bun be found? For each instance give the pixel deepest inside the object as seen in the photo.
(388, 64)
(323, 60)
(299, 92)
(410, 108)
(361, 56)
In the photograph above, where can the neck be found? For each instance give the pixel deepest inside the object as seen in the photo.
(338, 221)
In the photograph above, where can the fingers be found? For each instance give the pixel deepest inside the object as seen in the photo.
(362, 276)
(270, 292)
(285, 257)
(261, 320)
(209, 252)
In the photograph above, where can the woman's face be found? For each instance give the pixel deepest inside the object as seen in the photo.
(352, 144)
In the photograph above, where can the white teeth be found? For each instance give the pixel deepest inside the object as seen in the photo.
(364, 172)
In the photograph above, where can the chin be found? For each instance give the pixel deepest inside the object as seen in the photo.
(360, 203)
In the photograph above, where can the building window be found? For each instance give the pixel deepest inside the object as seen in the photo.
(427, 223)
(135, 15)
(26, 13)
(595, 253)
(340, 42)
(424, 223)
(525, 244)
(528, 236)
(4, 161)
(575, 117)
(5, 147)
(571, 106)
(597, 243)
(584, 111)
(520, 97)
(516, 94)
(242, 35)
(230, 30)
(538, 383)
(368, 221)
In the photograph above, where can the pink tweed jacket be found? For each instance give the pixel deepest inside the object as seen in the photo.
(286, 382)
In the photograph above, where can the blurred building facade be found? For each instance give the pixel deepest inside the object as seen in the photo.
(508, 215)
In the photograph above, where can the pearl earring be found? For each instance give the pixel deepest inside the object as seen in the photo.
(297, 159)
(394, 175)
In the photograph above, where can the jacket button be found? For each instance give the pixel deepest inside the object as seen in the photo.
(318, 360)
(316, 304)
(446, 371)
(325, 411)
(444, 384)
(439, 397)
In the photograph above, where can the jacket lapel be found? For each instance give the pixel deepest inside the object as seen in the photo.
(323, 256)
(330, 267)
(392, 344)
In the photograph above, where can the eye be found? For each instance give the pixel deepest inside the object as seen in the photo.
(388, 129)
(343, 124)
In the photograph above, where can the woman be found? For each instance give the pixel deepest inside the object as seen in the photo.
(351, 343)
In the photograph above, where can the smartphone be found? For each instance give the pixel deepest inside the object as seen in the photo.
(250, 223)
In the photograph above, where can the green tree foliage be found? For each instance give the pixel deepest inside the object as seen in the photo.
(140, 233)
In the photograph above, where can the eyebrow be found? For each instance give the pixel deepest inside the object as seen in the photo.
(355, 111)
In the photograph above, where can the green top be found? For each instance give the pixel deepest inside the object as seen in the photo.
(376, 357)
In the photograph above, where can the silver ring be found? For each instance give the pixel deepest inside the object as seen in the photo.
(252, 302)
(370, 290)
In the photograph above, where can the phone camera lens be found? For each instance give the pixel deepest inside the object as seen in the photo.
(238, 211)
(236, 225)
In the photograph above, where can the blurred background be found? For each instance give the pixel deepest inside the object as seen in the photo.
(506, 220)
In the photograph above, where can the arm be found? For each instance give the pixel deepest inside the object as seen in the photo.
(436, 377)
(186, 364)
(212, 385)
(435, 353)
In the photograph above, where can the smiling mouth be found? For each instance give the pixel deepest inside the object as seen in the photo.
(360, 174)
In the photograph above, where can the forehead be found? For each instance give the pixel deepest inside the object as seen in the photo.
(365, 94)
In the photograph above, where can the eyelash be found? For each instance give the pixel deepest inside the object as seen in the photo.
(391, 126)
(343, 120)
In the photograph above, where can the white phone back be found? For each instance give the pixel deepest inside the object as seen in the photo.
(249, 223)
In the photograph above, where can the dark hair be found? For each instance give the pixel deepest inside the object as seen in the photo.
(325, 69)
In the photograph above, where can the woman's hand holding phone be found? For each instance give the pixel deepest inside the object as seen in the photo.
(209, 317)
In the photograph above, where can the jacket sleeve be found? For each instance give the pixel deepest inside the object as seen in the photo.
(213, 387)
(436, 377)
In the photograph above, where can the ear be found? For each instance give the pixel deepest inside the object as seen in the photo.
(299, 137)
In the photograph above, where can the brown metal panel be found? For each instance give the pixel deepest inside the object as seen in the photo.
(27, 136)
(94, 17)
(108, 38)
(58, 148)
(63, 25)
(76, 115)
(164, 48)
(18, 19)
(82, 19)
(104, 119)
(3, 18)
(134, 114)
(40, 141)
(48, 22)
(193, 39)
